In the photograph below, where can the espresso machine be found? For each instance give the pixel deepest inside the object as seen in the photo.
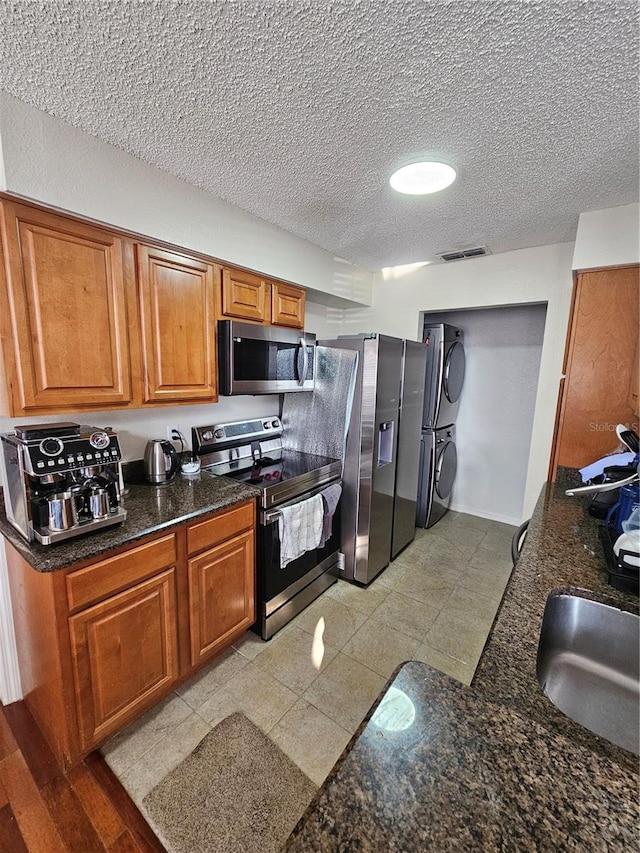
(61, 480)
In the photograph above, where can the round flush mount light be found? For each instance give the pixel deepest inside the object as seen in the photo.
(422, 178)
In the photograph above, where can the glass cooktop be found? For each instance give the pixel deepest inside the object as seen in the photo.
(282, 474)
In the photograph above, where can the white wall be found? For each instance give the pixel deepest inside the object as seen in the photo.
(495, 418)
(527, 276)
(49, 161)
(608, 238)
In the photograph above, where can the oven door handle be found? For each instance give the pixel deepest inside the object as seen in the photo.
(269, 515)
(305, 361)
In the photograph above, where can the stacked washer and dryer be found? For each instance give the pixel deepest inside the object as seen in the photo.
(438, 454)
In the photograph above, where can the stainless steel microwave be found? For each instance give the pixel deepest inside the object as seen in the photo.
(254, 359)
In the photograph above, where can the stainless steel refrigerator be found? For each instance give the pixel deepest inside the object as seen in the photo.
(380, 475)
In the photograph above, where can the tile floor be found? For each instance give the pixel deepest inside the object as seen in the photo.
(311, 685)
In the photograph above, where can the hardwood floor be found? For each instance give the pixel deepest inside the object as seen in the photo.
(44, 810)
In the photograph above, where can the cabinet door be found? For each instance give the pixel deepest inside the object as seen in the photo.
(221, 595)
(67, 303)
(244, 295)
(287, 305)
(177, 317)
(634, 384)
(602, 340)
(125, 656)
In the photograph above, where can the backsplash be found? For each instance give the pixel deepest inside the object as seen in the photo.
(136, 426)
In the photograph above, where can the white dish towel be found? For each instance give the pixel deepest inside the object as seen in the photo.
(300, 527)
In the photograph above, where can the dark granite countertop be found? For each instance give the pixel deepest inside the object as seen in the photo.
(150, 509)
(495, 766)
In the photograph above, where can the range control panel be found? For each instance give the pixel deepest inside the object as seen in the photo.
(65, 454)
(237, 432)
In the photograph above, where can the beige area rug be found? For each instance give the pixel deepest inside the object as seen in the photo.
(237, 792)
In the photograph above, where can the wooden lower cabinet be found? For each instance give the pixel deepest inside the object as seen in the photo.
(101, 644)
(125, 655)
(221, 595)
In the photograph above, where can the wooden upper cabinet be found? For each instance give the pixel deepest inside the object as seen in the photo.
(244, 295)
(176, 297)
(248, 296)
(101, 319)
(287, 305)
(603, 337)
(67, 313)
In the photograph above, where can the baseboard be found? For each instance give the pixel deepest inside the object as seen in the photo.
(492, 516)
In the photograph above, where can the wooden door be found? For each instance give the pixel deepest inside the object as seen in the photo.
(634, 385)
(125, 656)
(66, 290)
(287, 305)
(244, 295)
(221, 595)
(599, 363)
(178, 332)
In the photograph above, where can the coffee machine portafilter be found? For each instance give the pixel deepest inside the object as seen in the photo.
(61, 480)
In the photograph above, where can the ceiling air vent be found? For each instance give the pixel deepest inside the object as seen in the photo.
(461, 254)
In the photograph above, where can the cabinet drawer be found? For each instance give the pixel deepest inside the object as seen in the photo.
(101, 579)
(222, 526)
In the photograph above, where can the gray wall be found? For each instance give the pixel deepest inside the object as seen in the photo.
(503, 347)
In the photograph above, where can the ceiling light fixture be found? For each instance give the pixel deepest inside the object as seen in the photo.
(422, 178)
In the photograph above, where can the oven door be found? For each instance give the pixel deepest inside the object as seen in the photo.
(255, 359)
(282, 593)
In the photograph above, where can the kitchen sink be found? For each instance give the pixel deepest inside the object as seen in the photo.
(588, 666)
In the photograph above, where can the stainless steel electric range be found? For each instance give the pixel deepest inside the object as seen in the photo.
(252, 452)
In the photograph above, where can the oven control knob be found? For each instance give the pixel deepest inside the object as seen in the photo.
(275, 424)
(219, 433)
(51, 446)
(266, 424)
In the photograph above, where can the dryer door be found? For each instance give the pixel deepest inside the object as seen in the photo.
(453, 376)
(445, 473)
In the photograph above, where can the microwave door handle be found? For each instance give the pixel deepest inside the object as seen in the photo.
(305, 361)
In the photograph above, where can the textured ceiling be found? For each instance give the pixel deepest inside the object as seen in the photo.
(298, 110)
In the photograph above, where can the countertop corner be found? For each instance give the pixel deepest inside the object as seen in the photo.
(491, 766)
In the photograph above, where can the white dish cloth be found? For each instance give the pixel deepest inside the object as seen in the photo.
(330, 497)
(300, 527)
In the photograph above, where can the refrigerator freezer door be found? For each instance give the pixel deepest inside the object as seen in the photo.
(381, 384)
(409, 435)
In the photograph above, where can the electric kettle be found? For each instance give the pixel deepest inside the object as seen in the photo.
(161, 461)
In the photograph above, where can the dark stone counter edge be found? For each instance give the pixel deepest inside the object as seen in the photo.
(608, 596)
(45, 558)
